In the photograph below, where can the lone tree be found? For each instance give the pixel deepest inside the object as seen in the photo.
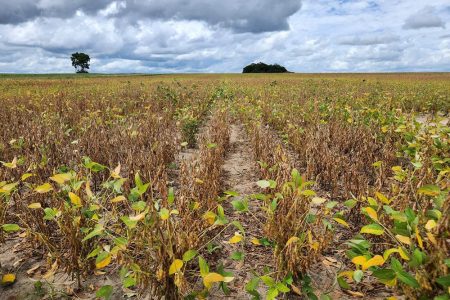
(80, 61)
(264, 68)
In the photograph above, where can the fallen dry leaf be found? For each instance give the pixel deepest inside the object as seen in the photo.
(52, 271)
(18, 262)
(33, 269)
(331, 259)
(355, 294)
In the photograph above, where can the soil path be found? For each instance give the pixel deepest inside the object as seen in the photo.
(240, 176)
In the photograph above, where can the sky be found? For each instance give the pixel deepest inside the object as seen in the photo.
(207, 36)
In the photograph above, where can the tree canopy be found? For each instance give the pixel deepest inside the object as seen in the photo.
(80, 61)
(264, 68)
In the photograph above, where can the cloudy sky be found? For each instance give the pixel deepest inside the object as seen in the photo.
(165, 36)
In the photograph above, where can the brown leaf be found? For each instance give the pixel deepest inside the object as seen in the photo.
(33, 269)
(52, 271)
(355, 294)
(17, 262)
(296, 290)
(331, 259)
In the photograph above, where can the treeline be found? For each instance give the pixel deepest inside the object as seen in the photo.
(264, 68)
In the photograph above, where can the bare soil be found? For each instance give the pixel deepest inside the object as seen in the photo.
(240, 176)
(17, 256)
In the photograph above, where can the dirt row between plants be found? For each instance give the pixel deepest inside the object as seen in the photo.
(240, 176)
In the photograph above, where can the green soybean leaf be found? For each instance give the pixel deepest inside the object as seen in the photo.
(408, 279)
(189, 255)
(444, 281)
(105, 292)
(263, 184)
(237, 255)
(10, 227)
(98, 229)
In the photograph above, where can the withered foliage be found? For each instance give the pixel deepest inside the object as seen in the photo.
(124, 175)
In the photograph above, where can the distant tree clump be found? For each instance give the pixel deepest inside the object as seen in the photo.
(264, 68)
(80, 61)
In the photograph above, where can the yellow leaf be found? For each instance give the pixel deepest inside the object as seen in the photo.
(348, 274)
(35, 205)
(118, 199)
(382, 198)
(116, 249)
(175, 266)
(164, 214)
(179, 282)
(236, 238)
(61, 178)
(45, 188)
(103, 263)
(160, 274)
(431, 238)
(26, 176)
(397, 168)
(116, 172)
(419, 239)
(388, 253)
(77, 220)
(315, 245)
(372, 229)
(211, 278)
(359, 260)
(377, 260)
(372, 201)
(391, 283)
(430, 225)
(404, 239)
(342, 222)
(255, 241)
(210, 217)
(138, 217)
(11, 165)
(292, 240)
(403, 253)
(307, 193)
(88, 190)
(76, 201)
(8, 187)
(196, 206)
(371, 212)
(318, 200)
(310, 239)
(198, 181)
(8, 279)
